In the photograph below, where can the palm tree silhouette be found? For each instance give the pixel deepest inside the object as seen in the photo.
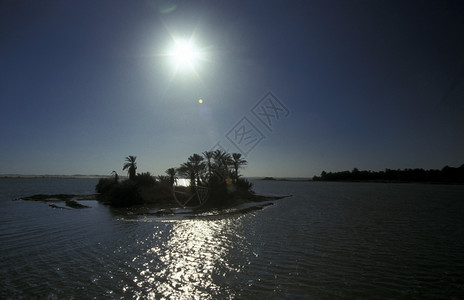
(115, 174)
(222, 161)
(237, 162)
(171, 172)
(209, 156)
(198, 165)
(131, 166)
(187, 170)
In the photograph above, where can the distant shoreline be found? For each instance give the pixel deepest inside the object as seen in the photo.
(390, 181)
(362, 181)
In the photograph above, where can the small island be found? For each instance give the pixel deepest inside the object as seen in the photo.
(207, 182)
(204, 182)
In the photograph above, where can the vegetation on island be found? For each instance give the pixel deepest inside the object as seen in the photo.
(447, 174)
(216, 171)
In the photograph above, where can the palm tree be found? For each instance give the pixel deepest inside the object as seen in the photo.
(115, 174)
(187, 170)
(131, 166)
(198, 165)
(163, 179)
(171, 172)
(209, 156)
(238, 162)
(222, 161)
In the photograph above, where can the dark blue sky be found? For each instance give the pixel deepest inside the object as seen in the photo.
(367, 84)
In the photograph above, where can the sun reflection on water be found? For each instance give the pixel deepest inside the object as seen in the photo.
(190, 263)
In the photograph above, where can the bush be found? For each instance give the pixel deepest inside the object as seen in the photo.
(160, 194)
(223, 193)
(145, 180)
(124, 194)
(244, 185)
(104, 185)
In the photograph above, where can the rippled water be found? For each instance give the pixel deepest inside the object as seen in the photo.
(330, 240)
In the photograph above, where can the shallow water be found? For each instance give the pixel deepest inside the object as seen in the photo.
(330, 240)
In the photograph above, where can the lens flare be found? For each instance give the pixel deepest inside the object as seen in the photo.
(184, 55)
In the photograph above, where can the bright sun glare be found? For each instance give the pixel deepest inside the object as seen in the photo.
(184, 55)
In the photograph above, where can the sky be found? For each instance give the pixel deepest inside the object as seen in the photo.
(297, 87)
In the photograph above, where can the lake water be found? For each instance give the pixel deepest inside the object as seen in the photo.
(330, 240)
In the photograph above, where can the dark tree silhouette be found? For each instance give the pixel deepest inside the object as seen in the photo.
(225, 190)
(171, 172)
(163, 179)
(209, 156)
(145, 179)
(187, 170)
(116, 176)
(222, 161)
(198, 166)
(237, 162)
(131, 166)
(445, 175)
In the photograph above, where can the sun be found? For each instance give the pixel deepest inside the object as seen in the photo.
(184, 55)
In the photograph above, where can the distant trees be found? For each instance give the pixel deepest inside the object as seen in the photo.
(131, 166)
(445, 175)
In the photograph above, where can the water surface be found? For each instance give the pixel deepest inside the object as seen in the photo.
(330, 240)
